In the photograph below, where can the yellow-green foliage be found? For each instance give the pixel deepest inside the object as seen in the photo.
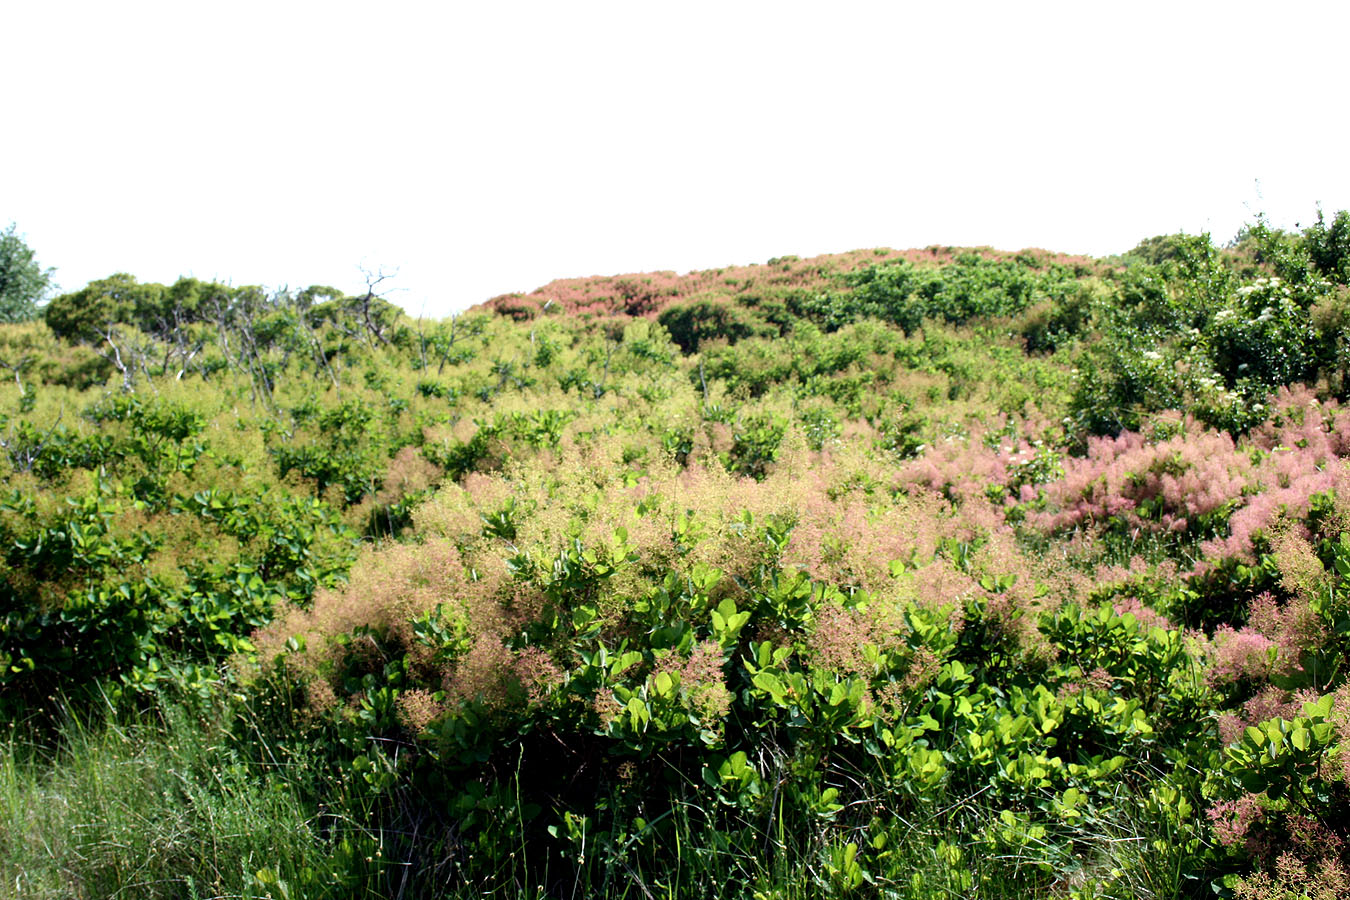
(842, 560)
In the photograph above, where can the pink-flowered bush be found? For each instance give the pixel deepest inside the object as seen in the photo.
(1190, 479)
(1151, 486)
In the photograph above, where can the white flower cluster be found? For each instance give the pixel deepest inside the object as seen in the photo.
(1272, 285)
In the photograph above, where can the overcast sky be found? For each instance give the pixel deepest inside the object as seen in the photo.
(480, 148)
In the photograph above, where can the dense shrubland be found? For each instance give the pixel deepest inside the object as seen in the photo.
(944, 573)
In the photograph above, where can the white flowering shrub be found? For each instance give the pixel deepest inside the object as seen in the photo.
(1265, 337)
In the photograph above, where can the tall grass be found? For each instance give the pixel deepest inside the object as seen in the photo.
(157, 806)
(165, 805)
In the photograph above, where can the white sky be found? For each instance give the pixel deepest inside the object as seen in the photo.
(480, 148)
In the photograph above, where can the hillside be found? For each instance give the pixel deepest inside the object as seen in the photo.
(650, 293)
(941, 572)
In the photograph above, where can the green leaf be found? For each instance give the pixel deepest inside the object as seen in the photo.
(623, 662)
(771, 685)
(1299, 738)
(637, 713)
(663, 683)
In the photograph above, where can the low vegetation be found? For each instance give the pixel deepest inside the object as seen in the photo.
(945, 573)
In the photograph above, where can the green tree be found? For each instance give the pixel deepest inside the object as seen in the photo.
(1329, 246)
(23, 282)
